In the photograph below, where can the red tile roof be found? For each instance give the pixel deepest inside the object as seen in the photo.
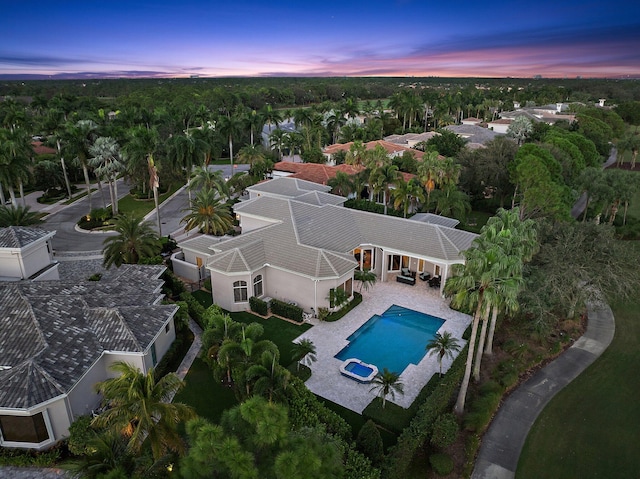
(321, 174)
(390, 147)
(40, 149)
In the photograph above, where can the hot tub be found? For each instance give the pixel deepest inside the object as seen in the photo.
(358, 371)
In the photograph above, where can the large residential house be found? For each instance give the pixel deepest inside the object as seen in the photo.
(299, 242)
(392, 149)
(59, 338)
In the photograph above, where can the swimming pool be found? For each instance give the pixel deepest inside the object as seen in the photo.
(392, 340)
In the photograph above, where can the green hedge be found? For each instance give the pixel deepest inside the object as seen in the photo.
(357, 299)
(421, 428)
(196, 310)
(258, 306)
(286, 310)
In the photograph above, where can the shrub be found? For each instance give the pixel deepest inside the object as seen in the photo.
(442, 464)
(369, 442)
(323, 313)
(421, 427)
(258, 306)
(196, 310)
(445, 431)
(80, 434)
(484, 406)
(172, 284)
(22, 458)
(357, 299)
(372, 207)
(95, 277)
(175, 354)
(286, 310)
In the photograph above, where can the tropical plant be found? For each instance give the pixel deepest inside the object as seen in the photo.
(267, 377)
(387, 383)
(444, 345)
(140, 407)
(107, 164)
(135, 239)
(77, 138)
(204, 178)
(231, 128)
(208, 213)
(18, 216)
(304, 351)
(341, 184)
(366, 277)
(381, 178)
(15, 158)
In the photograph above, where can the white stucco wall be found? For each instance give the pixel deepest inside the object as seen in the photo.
(222, 291)
(35, 258)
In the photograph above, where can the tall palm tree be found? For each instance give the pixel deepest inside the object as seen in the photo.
(251, 154)
(135, 239)
(277, 140)
(304, 351)
(231, 128)
(107, 163)
(387, 383)
(444, 345)
(208, 213)
(141, 407)
(428, 172)
(185, 151)
(15, 157)
(141, 144)
(18, 216)
(401, 196)
(381, 179)
(77, 139)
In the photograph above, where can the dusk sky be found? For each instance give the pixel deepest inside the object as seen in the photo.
(558, 38)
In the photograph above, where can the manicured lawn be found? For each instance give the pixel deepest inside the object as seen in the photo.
(207, 396)
(590, 429)
(475, 221)
(280, 332)
(129, 204)
(203, 297)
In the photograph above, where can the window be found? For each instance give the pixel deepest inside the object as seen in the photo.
(24, 428)
(154, 356)
(394, 262)
(240, 291)
(257, 286)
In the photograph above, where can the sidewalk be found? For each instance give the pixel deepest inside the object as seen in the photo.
(501, 445)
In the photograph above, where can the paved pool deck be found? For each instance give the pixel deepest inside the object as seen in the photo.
(329, 338)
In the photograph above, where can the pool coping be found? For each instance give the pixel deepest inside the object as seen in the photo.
(329, 338)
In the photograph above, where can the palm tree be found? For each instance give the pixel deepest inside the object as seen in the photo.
(136, 239)
(208, 213)
(276, 140)
(387, 383)
(185, 151)
(251, 154)
(203, 178)
(428, 171)
(366, 277)
(450, 201)
(443, 345)
(380, 180)
(230, 127)
(106, 163)
(15, 156)
(18, 216)
(140, 407)
(268, 377)
(77, 138)
(401, 196)
(304, 351)
(341, 184)
(141, 144)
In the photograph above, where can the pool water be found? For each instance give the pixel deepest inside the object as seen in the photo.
(392, 340)
(359, 369)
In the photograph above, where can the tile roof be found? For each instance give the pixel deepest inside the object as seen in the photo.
(387, 145)
(40, 149)
(284, 187)
(317, 240)
(54, 331)
(473, 133)
(21, 236)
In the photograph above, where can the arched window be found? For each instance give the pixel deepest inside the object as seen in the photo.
(257, 286)
(240, 291)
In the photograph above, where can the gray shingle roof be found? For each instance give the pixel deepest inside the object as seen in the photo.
(287, 187)
(435, 219)
(54, 331)
(317, 240)
(19, 236)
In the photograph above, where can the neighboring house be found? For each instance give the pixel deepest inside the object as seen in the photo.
(298, 243)
(475, 135)
(500, 126)
(59, 338)
(392, 149)
(26, 253)
(288, 126)
(549, 114)
(411, 139)
(471, 121)
(41, 149)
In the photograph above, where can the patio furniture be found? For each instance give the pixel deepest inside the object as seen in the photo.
(435, 282)
(406, 279)
(425, 276)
